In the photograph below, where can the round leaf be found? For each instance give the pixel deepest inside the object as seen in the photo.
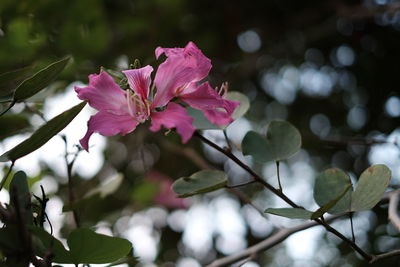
(255, 145)
(370, 187)
(283, 140)
(199, 183)
(330, 184)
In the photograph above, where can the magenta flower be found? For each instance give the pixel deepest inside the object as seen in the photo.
(120, 111)
(179, 76)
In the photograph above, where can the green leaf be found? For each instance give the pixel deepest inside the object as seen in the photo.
(43, 243)
(20, 195)
(292, 213)
(199, 183)
(322, 210)
(255, 145)
(40, 80)
(244, 104)
(281, 142)
(329, 184)
(7, 98)
(10, 80)
(370, 187)
(43, 134)
(16, 123)
(202, 123)
(89, 247)
(130, 260)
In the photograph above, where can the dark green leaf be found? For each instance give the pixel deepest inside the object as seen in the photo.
(16, 123)
(329, 184)
(130, 260)
(43, 134)
(199, 183)
(40, 80)
(281, 142)
(20, 197)
(322, 210)
(370, 187)
(11, 79)
(292, 213)
(89, 247)
(255, 145)
(44, 243)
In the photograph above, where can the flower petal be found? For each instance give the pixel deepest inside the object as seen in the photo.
(182, 66)
(216, 109)
(108, 124)
(139, 80)
(174, 116)
(103, 93)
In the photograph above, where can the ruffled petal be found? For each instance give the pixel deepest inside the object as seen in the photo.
(216, 109)
(103, 93)
(139, 80)
(108, 124)
(182, 67)
(174, 116)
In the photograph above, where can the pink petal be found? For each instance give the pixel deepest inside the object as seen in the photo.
(108, 124)
(139, 80)
(174, 116)
(216, 109)
(182, 66)
(103, 93)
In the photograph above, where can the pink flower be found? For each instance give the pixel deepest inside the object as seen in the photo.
(120, 111)
(179, 76)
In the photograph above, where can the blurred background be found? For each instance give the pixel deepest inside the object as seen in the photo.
(331, 68)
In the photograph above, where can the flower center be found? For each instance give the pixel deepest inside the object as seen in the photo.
(138, 108)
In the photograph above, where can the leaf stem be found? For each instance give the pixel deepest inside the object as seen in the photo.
(6, 176)
(278, 175)
(228, 142)
(353, 237)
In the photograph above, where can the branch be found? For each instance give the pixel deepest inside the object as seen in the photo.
(393, 205)
(384, 255)
(280, 194)
(268, 243)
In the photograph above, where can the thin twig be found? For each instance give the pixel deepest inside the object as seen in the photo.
(3, 182)
(353, 236)
(393, 205)
(228, 142)
(242, 184)
(71, 192)
(280, 194)
(278, 175)
(268, 243)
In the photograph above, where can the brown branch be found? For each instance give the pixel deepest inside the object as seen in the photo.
(378, 257)
(393, 206)
(268, 243)
(280, 194)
